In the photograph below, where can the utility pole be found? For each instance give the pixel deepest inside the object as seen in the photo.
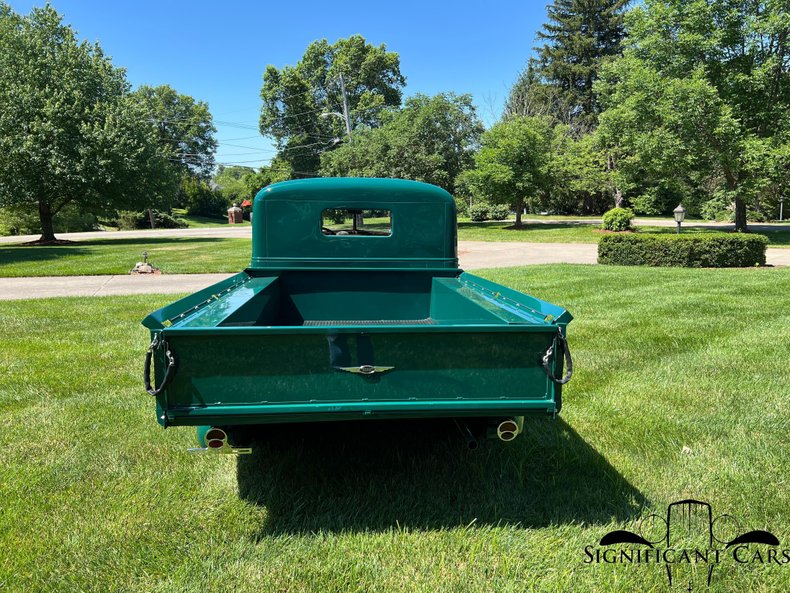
(346, 114)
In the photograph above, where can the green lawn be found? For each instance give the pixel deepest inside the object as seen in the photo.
(578, 233)
(195, 222)
(118, 256)
(681, 390)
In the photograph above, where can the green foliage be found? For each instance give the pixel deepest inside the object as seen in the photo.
(651, 202)
(499, 212)
(233, 183)
(70, 130)
(185, 127)
(721, 250)
(699, 104)
(297, 98)
(511, 165)
(479, 212)
(618, 219)
(578, 179)
(129, 220)
(16, 221)
(432, 139)
(278, 170)
(461, 205)
(673, 133)
(200, 200)
(580, 36)
(719, 208)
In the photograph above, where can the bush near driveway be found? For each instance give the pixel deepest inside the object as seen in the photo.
(482, 211)
(716, 250)
(618, 219)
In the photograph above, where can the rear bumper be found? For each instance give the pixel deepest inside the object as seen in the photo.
(327, 412)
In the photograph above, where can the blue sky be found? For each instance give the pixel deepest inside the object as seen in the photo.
(217, 52)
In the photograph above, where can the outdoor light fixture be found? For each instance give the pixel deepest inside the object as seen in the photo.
(680, 214)
(145, 257)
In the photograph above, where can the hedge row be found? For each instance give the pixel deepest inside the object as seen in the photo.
(716, 250)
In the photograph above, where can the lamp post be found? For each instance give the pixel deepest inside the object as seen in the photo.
(680, 214)
(781, 208)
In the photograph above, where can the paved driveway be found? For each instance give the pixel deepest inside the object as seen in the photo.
(472, 254)
(231, 231)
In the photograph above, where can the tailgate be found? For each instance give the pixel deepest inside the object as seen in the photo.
(258, 375)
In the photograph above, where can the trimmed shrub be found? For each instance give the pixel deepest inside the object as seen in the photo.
(498, 212)
(618, 219)
(715, 250)
(479, 212)
(128, 220)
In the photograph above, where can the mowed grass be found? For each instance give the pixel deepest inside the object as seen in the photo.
(118, 256)
(680, 391)
(196, 222)
(205, 255)
(582, 232)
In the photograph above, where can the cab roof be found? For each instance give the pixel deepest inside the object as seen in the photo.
(359, 190)
(288, 231)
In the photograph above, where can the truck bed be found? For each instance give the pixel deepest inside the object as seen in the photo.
(287, 346)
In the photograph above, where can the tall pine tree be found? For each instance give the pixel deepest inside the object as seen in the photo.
(580, 36)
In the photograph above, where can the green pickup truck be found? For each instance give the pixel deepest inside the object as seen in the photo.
(354, 308)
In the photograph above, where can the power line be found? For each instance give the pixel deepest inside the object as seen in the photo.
(242, 138)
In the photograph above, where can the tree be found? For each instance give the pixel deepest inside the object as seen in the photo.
(673, 131)
(432, 139)
(237, 183)
(701, 98)
(232, 183)
(578, 180)
(185, 127)
(70, 131)
(511, 166)
(580, 36)
(274, 172)
(298, 100)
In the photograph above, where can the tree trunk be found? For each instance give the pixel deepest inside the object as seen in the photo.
(740, 205)
(618, 194)
(45, 215)
(740, 216)
(151, 218)
(519, 213)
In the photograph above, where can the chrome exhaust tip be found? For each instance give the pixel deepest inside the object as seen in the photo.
(507, 430)
(213, 439)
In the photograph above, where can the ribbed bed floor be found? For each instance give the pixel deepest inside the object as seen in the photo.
(332, 322)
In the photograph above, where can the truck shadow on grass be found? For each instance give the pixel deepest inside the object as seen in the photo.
(418, 474)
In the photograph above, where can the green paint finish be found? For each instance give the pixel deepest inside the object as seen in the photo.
(279, 342)
(287, 225)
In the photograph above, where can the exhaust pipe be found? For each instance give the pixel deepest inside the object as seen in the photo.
(507, 430)
(463, 428)
(215, 438)
(212, 439)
